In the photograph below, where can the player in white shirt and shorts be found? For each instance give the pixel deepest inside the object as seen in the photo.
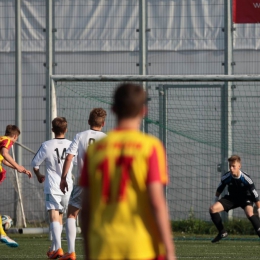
(78, 148)
(53, 153)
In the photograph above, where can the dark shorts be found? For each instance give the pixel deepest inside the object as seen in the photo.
(229, 202)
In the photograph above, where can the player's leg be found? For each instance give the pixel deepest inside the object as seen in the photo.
(71, 229)
(61, 222)
(2, 232)
(71, 233)
(214, 210)
(64, 203)
(54, 207)
(4, 238)
(253, 218)
(55, 224)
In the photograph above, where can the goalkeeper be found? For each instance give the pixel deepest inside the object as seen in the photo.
(242, 193)
(12, 133)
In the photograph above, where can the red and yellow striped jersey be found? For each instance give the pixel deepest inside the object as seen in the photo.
(6, 142)
(117, 172)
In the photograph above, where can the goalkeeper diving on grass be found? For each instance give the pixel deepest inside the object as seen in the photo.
(241, 193)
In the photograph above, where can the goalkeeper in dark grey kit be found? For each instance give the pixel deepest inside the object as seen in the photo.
(241, 193)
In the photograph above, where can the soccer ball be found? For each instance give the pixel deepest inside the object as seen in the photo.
(7, 222)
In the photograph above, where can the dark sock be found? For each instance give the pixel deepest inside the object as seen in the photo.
(256, 224)
(216, 219)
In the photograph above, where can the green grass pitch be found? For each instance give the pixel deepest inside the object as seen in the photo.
(239, 248)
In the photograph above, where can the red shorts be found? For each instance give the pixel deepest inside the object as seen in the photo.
(2, 175)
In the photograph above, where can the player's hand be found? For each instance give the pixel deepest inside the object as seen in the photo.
(258, 211)
(40, 178)
(63, 185)
(28, 173)
(21, 169)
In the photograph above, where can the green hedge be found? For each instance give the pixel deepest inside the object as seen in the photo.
(197, 226)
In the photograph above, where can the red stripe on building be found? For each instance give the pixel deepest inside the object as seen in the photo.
(246, 11)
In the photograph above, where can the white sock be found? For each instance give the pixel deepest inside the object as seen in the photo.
(71, 234)
(61, 228)
(56, 237)
(52, 248)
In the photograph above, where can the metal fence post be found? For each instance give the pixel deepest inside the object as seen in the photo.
(20, 221)
(143, 49)
(49, 64)
(226, 143)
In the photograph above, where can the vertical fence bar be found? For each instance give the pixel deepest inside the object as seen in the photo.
(143, 49)
(53, 102)
(160, 112)
(20, 201)
(163, 114)
(49, 63)
(18, 101)
(227, 106)
(142, 37)
(54, 29)
(163, 91)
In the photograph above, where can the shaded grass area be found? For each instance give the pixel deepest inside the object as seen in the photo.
(197, 250)
(191, 246)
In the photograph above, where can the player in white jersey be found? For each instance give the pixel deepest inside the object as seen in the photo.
(78, 148)
(53, 152)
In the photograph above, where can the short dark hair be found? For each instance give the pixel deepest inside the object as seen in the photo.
(12, 130)
(97, 117)
(128, 100)
(59, 125)
(234, 158)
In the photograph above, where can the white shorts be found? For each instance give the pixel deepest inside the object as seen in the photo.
(58, 202)
(75, 197)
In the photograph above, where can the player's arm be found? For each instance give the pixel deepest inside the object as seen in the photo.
(37, 160)
(255, 195)
(220, 189)
(8, 164)
(156, 180)
(12, 163)
(65, 169)
(158, 203)
(40, 177)
(217, 194)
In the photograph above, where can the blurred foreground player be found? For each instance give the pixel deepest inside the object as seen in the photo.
(124, 212)
(12, 133)
(242, 193)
